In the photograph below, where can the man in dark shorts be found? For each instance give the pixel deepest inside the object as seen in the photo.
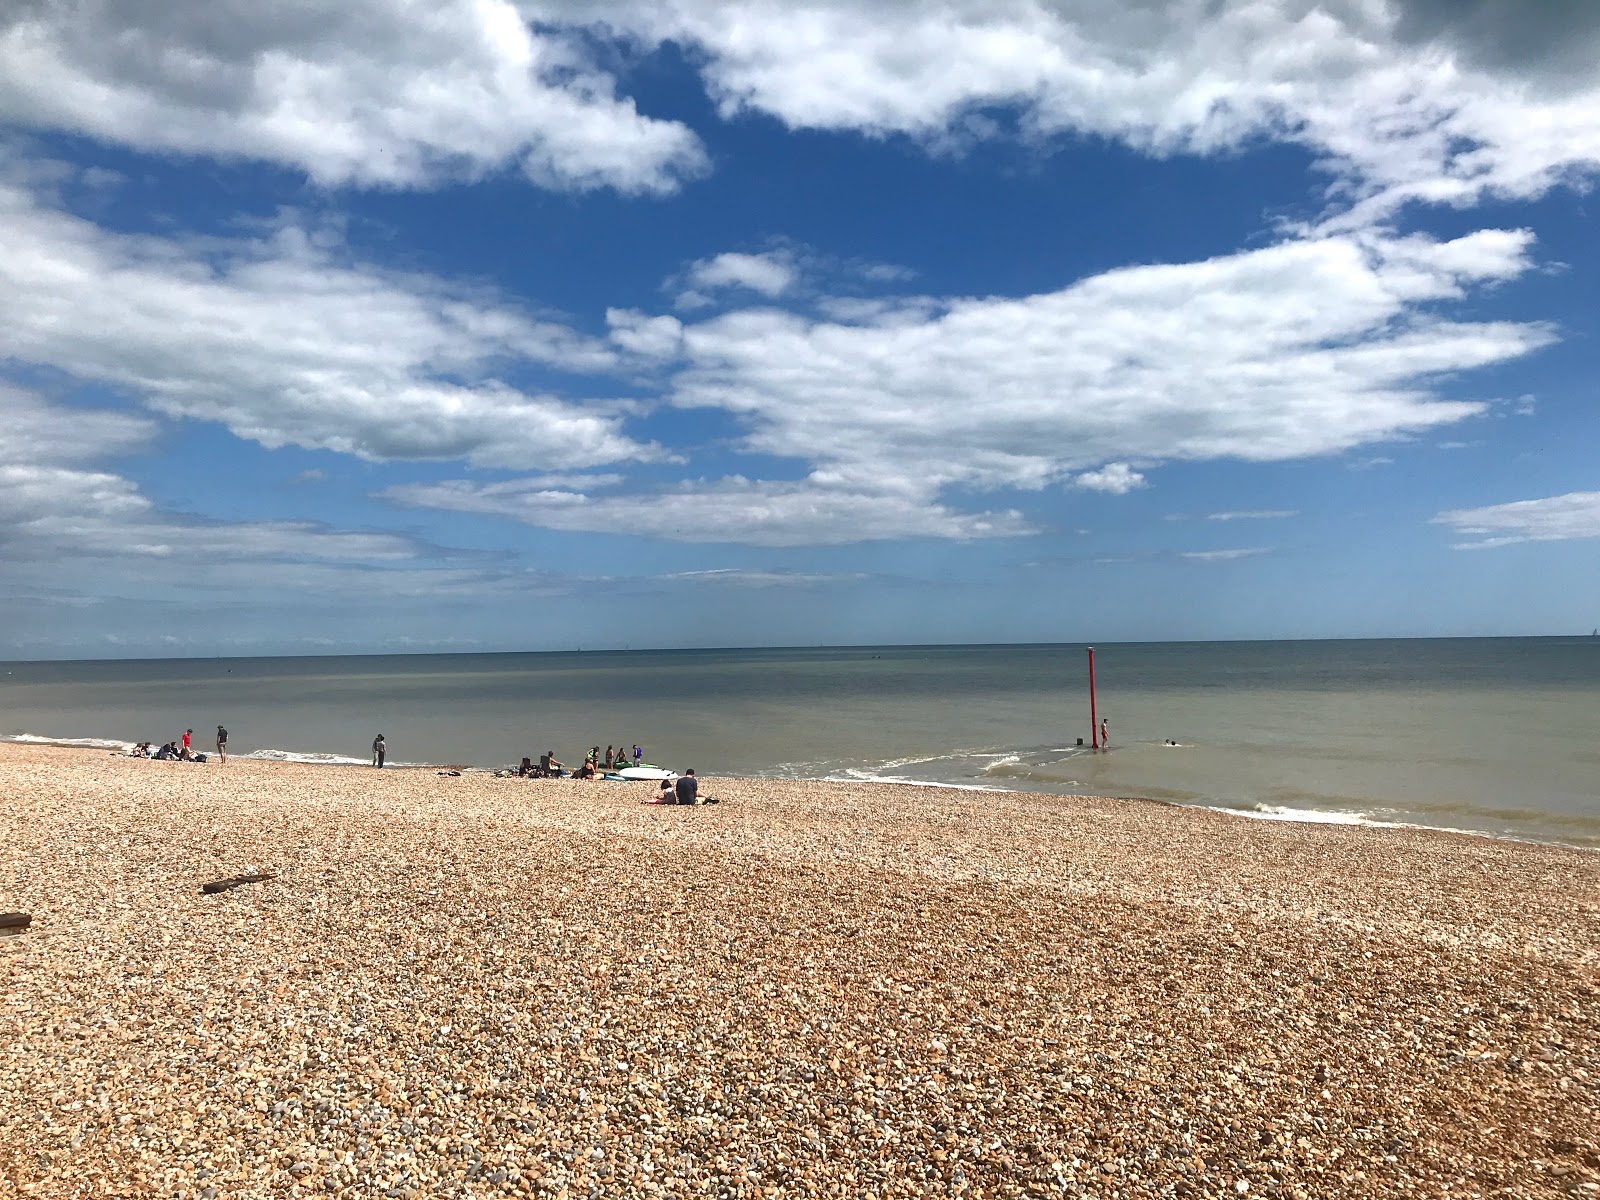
(688, 788)
(379, 749)
(222, 745)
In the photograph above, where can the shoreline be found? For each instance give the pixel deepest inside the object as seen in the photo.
(1312, 817)
(461, 985)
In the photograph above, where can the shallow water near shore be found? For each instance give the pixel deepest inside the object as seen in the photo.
(1489, 735)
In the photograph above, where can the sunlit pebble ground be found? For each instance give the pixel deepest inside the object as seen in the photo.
(471, 986)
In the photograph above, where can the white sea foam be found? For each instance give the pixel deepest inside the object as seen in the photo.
(854, 776)
(316, 758)
(1307, 816)
(39, 739)
(1311, 816)
(1005, 760)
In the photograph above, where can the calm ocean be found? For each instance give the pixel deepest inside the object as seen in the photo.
(1494, 735)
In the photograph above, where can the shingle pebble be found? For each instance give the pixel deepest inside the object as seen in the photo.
(476, 985)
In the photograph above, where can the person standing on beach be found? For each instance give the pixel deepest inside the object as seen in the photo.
(638, 756)
(222, 745)
(379, 749)
(187, 753)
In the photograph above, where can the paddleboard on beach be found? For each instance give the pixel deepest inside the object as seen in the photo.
(641, 773)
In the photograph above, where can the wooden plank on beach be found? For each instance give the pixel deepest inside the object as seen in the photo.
(16, 921)
(233, 881)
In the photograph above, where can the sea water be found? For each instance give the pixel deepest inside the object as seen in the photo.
(1499, 736)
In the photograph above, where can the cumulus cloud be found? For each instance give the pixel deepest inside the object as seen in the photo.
(1440, 101)
(1553, 519)
(1429, 100)
(285, 342)
(379, 92)
(1554, 42)
(749, 512)
(647, 337)
(1116, 478)
(770, 274)
(1309, 347)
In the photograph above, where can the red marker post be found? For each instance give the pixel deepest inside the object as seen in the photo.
(1094, 724)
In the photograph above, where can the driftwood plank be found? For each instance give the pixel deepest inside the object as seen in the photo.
(233, 881)
(16, 921)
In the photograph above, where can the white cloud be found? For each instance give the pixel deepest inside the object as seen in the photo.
(647, 337)
(1426, 100)
(1306, 348)
(1225, 555)
(284, 342)
(1553, 519)
(380, 92)
(1116, 478)
(759, 579)
(757, 513)
(1300, 349)
(1400, 99)
(36, 432)
(770, 275)
(52, 507)
(1275, 514)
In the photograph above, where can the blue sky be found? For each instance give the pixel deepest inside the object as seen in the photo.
(502, 325)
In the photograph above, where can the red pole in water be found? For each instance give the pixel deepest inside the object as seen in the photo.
(1094, 724)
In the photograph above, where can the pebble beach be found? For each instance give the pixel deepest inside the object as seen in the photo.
(470, 985)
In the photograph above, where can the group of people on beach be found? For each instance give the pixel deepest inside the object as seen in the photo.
(683, 790)
(594, 765)
(181, 749)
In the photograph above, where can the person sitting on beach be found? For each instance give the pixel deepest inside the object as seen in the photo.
(688, 788)
(526, 768)
(587, 771)
(665, 796)
(548, 766)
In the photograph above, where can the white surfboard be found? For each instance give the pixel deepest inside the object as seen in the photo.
(653, 774)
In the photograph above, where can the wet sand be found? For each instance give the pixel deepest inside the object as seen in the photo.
(469, 986)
